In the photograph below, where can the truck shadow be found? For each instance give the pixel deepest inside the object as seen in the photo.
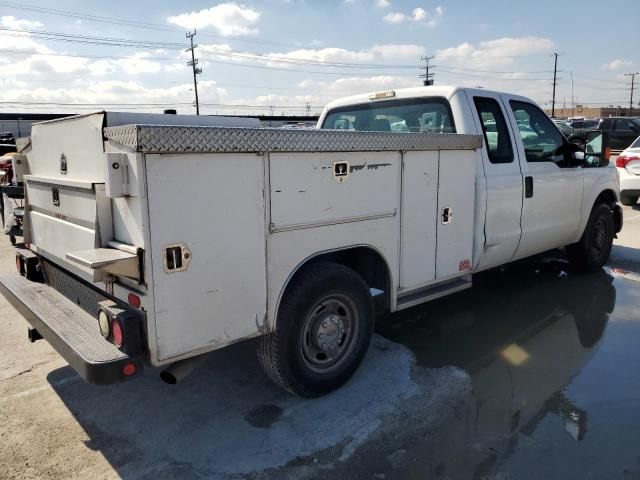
(226, 420)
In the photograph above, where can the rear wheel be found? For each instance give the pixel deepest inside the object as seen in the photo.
(593, 249)
(628, 200)
(323, 329)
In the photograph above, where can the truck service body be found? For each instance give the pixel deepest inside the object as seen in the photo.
(151, 244)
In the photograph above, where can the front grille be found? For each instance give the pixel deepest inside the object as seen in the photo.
(75, 290)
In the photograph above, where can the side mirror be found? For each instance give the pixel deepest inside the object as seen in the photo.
(596, 149)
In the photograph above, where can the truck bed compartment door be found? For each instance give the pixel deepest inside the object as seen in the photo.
(419, 212)
(456, 201)
(208, 249)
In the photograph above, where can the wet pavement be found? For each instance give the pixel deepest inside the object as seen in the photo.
(554, 362)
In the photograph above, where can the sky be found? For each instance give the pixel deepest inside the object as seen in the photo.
(293, 56)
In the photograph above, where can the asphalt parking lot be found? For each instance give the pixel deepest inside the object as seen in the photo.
(533, 373)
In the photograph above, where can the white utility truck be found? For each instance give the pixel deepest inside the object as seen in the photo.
(150, 244)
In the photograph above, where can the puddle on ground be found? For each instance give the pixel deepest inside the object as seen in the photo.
(554, 362)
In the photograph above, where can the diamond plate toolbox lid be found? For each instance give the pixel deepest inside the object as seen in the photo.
(184, 139)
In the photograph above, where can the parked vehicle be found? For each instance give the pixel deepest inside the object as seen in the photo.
(628, 165)
(563, 126)
(12, 194)
(622, 131)
(152, 244)
(7, 143)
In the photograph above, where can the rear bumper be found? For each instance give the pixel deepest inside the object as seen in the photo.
(629, 182)
(71, 331)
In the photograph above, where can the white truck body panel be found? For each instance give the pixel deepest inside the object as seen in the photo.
(222, 295)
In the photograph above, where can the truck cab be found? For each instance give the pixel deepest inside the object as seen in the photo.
(534, 190)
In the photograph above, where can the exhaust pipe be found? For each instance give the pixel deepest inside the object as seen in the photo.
(179, 370)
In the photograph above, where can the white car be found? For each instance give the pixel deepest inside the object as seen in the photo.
(628, 165)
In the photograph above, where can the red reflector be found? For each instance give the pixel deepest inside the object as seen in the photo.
(116, 332)
(129, 369)
(19, 264)
(623, 160)
(27, 246)
(134, 300)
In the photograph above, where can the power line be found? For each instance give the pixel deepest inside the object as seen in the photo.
(452, 67)
(89, 39)
(133, 23)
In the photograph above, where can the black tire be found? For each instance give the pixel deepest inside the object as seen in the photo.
(628, 200)
(324, 297)
(593, 249)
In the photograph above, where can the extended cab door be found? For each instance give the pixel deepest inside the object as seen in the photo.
(503, 179)
(553, 184)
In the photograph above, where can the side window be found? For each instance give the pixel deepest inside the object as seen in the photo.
(542, 141)
(623, 125)
(494, 129)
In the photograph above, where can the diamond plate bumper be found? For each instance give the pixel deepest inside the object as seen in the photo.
(68, 328)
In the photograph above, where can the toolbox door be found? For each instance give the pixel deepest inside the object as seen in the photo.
(456, 211)
(207, 225)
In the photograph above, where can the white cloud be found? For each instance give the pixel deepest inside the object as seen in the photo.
(115, 91)
(227, 18)
(383, 3)
(616, 64)
(325, 55)
(500, 51)
(418, 16)
(394, 17)
(397, 50)
(13, 22)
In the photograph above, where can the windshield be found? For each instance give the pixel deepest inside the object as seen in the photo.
(431, 115)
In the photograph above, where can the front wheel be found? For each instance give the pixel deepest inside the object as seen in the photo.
(593, 249)
(323, 329)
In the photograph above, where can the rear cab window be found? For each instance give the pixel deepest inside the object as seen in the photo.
(430, 114)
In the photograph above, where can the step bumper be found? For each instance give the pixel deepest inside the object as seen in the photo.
(71, 331)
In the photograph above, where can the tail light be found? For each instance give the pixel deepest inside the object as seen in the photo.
(134, 300)
(121, 327)
(19, 265)
(623, 160)
(116, 333)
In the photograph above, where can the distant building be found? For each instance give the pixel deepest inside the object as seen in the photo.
(594, 112)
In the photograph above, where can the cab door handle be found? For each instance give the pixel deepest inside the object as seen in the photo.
(528, 187)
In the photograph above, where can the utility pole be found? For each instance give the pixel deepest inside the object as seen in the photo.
(633, 77)
(307, 107)
(196, 70)
(428, 77)
(573, 104)
(553, 100)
